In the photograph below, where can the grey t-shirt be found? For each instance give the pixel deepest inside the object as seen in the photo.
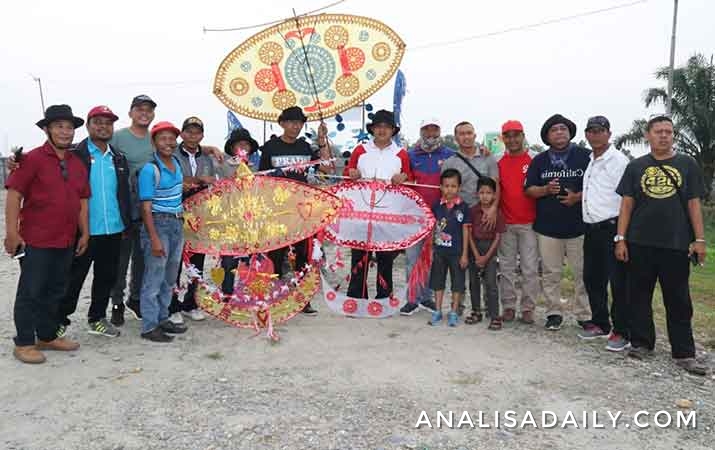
(486, 165)
(138, 151)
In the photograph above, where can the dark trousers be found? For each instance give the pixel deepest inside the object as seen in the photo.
(44, 273)
(487, 277)
(189, 303)
(130, 249)
(671, 268)
(103, 251)
(229, 264)
(600, 267)
(358, 274)
(301, 256)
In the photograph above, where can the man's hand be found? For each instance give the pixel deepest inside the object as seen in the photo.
(553, 188)
(12, 242)
(11, 164)
(463, 262)
(570, 198)
(82, 244)
(621, 251)
(399, 178)
(489, 220)
(354, 174)
(699, 249)
(157, 249)
(213, 151)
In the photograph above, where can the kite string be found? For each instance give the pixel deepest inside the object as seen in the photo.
(307, 63)
(273, 22)
(363, 180)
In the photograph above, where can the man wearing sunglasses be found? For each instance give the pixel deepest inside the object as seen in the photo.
(46, 205)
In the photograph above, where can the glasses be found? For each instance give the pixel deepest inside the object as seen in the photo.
(63, 169)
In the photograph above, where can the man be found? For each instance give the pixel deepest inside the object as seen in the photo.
(473, 164)
(600, 205)
(555, 180)
(199, 172)
(109, 216)
(426, 160)
(287, 150)
(46, 205)
(519, 240)
(660, 225)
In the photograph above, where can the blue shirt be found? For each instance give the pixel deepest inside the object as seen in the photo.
(448, 231)
(104, 215)
(166, 194)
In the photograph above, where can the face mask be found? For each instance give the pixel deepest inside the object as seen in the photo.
(431, 143)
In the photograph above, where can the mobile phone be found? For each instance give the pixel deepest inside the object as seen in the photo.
(694, 259)
(19, 252)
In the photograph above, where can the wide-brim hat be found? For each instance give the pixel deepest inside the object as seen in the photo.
(238, 135)
(59, 112)
(383, 116)
(555, 120)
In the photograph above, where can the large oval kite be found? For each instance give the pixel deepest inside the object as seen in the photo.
(379, 216)
(348, 59)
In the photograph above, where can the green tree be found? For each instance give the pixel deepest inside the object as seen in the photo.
(693, 113)
(448, 141)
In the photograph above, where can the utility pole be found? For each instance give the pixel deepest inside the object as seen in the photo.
(669, 103)
(42, 96)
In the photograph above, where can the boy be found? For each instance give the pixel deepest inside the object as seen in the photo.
(160, 187)
(484, 244)
(451, 245)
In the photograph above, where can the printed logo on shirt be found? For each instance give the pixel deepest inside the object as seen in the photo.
(442, 239)
(460, 216)
(283, 161)
(525, 168)
(564, 173)
(655, 183)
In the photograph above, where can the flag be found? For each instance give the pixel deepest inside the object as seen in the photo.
(397, 97)
(233, 122)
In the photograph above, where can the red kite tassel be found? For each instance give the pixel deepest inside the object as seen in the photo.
(420, 272)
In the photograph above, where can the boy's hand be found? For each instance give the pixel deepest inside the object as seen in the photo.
(489, 220)
(463, 262)
(481, 261)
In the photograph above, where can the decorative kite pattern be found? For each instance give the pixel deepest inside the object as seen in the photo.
(378, 308)
(348, 59)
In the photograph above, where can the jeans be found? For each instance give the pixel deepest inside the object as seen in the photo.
(130, 249)
(189, 302)
(160, 271)
(423, 292)
(519, 240)
(44, 273)
(103, 251)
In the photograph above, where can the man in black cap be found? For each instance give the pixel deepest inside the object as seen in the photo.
(46, 205)
(555, 180)
(288, 150)
(600, 207)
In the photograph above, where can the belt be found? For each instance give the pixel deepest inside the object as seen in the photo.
(608, 223)
(168, 215)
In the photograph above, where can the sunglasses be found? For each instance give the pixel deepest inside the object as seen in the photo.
(63, 169)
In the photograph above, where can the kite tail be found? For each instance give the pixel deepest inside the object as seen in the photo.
(420, 272)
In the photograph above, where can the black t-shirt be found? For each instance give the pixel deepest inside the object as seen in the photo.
(554, 219)
(276, 154)
(658, 218)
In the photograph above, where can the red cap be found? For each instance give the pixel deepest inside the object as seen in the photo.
(512, 125)
(164, 126)
(102, 111)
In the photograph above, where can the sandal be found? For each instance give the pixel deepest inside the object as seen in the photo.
(474, 317)
(495, 324)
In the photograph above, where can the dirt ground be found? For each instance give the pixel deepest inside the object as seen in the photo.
(336, 383)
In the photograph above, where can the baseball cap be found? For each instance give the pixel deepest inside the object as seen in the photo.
(598, 121)
(101, 111)
(141, 99)
(193, 121)
(432, 121)
(512, 125)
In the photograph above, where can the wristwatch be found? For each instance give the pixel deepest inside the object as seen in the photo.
(618, 238)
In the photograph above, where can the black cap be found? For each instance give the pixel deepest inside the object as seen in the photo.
(59, 112)
(598, 121)
(193, 121)
(141, 99)
(292, 113)
(386, 117)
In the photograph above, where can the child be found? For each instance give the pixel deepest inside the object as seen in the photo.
(451, 240)
(484, 244)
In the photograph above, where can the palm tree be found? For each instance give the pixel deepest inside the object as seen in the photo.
(693, 113)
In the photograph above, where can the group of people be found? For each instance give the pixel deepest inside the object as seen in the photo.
(117, 197)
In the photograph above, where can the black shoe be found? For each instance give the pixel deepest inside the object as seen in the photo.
(170, 327)
(117, 315)
(553, 323)
(409, 309)
(641, 353)
(430, 306)
(133, 307)
(156, 335)
(309, 311)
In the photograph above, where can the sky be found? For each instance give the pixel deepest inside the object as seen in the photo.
(88, 53)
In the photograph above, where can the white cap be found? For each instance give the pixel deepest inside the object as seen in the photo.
(432, 121)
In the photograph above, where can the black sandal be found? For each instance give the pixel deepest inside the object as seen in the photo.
(474, 317)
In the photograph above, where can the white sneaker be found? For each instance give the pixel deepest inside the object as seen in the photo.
(194, 314)
(176, 319)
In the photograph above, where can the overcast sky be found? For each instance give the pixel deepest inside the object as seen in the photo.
(91, 52)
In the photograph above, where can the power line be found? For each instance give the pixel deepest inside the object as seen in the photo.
(525, 27)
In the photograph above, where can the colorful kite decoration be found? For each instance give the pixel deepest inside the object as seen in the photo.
(324, 63)
(378, 308)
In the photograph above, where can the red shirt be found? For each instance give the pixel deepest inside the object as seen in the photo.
(516, 206)
(478, 231)
(49, 216)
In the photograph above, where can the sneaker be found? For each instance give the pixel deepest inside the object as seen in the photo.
(527, 317)
(103, 328)
(640, 353)
(460, 309)
(452, 319)
(195, 314)
(509, 315)
(61, 331)
(692, 366)
(617, 343)
(436, 318)
(117, 315)
(591, 331)
(553, 323)
(176, 318)
(156, 335)
(429, 305)
(133, 307)
(170, 327)
(309, 311)
(409, 309)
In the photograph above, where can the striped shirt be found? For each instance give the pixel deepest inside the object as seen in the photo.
(166, 194)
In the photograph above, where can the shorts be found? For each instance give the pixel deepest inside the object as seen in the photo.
(438, 274)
